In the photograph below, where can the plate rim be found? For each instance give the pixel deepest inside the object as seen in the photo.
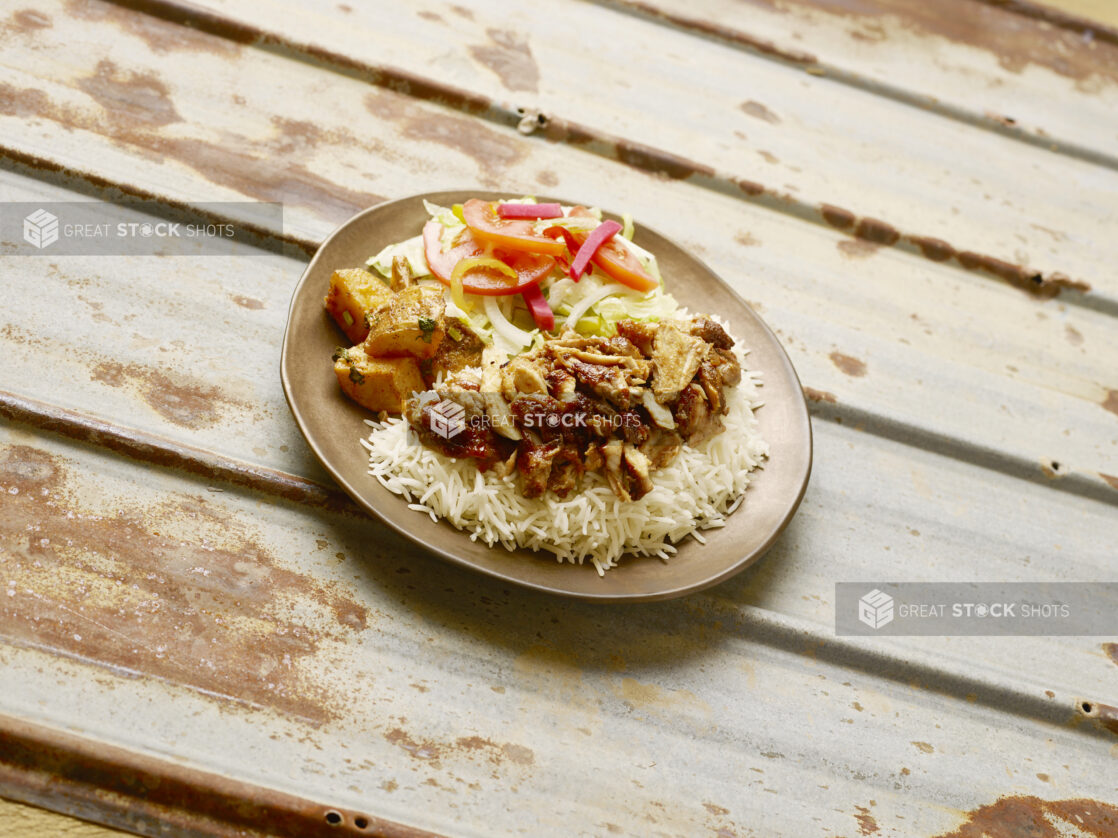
(357, 496)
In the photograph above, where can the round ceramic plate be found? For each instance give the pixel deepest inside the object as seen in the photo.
(333, 425)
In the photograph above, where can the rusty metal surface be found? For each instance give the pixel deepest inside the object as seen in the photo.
(181, 589)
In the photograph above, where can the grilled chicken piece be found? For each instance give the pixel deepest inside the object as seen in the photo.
(693, 416)
(612, 453)
(634, 427)
(639, 334)
(675, 360)
(710, 379)
(534, 461)
(522, 375)
(661, 448)
(609, 383)
(637, 467)
(728, 366)
(711, 332)
(565, 469)
(661, 416)
(470, 437)
(593, 460)
(560, 383)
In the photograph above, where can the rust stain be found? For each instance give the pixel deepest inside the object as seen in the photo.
(1015, 40)
(659, 162)
(820, 395)
(874, 230)
(418, 750)
(132, 112)
(211, 610)
(187, 403)
(509, 56)
(847, 364)
(759, 111)
(27, 21)
(1001, 119)
(158, 451)
(857, 248)
(935, 249)
(866, 823)
(1025, 815)
(130, 99)
(1031, 281)
(842, 219)
(924, 747)
(1105, 715)
(161, 36)
(1111, 649)
(749, 187)
(432, 751)
(247, 302)
(1111, 401)
(493, 152)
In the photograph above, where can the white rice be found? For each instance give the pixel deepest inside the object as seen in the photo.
(695, 492)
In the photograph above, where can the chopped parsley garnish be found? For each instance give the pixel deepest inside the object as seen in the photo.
(427, 326)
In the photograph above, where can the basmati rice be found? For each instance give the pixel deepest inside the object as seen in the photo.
(694, 492)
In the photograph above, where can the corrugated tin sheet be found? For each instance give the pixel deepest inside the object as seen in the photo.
(186, 604)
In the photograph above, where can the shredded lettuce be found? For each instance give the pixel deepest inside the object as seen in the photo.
(411, 249)
(443, 215)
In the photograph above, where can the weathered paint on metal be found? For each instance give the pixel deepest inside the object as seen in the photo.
(820, 161)
(182, 588)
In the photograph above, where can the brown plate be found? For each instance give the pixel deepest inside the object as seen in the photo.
(333, 425)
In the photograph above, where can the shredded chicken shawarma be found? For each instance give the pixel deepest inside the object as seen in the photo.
(622, 406)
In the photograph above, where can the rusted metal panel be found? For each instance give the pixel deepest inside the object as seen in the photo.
(183, 593)
(353, 672)
(757, 123)
(1022, 69)
(936, 308)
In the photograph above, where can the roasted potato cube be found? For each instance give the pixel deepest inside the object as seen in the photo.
(355, 293)
(377, 383)
(412, 324)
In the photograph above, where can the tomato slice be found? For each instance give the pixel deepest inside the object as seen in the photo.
(616, 259)
(530, 268)
(507, 233)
